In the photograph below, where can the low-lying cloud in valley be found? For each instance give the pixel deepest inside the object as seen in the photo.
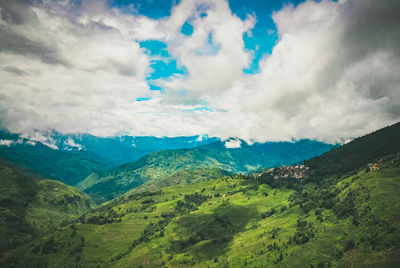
(333, 74)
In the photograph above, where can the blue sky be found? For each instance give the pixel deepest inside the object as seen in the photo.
(259, 43)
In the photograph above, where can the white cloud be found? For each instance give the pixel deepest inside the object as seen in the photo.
(332, 75)
(233, 143)
(201, 138)
(7, 143)
(32, 143)
(79, 71)
(72, 144)
(44, 137)
(212, 67)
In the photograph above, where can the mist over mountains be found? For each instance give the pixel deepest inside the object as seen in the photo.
(202, 206)
(71, 158)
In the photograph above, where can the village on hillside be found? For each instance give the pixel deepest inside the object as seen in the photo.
(300, 172)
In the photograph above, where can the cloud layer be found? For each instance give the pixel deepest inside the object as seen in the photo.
(334, 73)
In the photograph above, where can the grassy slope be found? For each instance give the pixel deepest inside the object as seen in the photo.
(154, 166)
(161, 165)
(31, 206)
(182, 177)
(231, 231)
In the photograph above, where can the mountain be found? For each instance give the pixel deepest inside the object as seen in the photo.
(161, 165)
(31, 206)
(346, 218)
(183, 176)
(67, 167)
(124, 149)
(118, 149)
(367, 149)
(235, 222)
(72, 158)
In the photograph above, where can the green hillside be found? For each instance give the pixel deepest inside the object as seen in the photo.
(182, 177)
(357, 153)
(31, 206)
(152, 168)
(348, 217)
(155, 169)
(236, 222)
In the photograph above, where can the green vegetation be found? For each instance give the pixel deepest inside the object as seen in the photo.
(165, 168)
(237, 221)
(31, 206)
(358, 153)
(348, 217)
(67, 167)
(182, 177)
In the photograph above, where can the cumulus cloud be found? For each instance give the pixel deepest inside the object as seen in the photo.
(332, 75)
(214, 54)
(63, 67)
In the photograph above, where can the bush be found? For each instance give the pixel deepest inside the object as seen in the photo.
(303, 234)
(269, 213)
(349, 245)
(48, 246)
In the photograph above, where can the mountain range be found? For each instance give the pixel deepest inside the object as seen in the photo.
(288, 204)
(149, 170)
(73, 158)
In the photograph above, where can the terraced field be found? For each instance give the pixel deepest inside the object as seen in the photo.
(234, 221)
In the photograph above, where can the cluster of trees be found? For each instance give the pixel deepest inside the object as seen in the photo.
(99, 219)
(268, 178)
(274, 232)
(304, 232)
(345, 207)
(137, 196)
(269, 213)
(189, 203)
(102, 216)
(213, 227)
(311, 196)
(50, 245)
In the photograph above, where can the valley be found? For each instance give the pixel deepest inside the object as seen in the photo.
(339, 213)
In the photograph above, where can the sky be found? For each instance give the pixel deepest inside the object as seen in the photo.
(256, 70)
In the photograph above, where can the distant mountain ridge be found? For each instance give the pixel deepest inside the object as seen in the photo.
(71, 158)
(162, 164)
(118, 149)
(67, 167)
